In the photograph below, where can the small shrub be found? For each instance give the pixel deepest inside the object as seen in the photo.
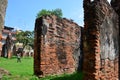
(5, 78)
(34, 78)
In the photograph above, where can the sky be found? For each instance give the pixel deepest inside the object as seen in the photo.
(21, 14)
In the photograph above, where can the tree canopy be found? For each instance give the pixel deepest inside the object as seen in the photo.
(57, 12)
(25, 37)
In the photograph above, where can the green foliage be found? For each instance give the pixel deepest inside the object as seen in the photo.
(57, 12)
(34, 78)
(17, 77)
(5, 78)
(25, 37)
(43, 12)
(74, 76)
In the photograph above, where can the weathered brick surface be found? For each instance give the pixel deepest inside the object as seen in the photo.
(3, 5)
(9, 44)
(101, 47)
(57, 46)
(0, 45)
(116, 6)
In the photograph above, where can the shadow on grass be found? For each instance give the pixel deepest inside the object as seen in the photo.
(74, 76)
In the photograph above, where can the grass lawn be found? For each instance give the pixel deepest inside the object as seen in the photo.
(19, 70)
(24, 71)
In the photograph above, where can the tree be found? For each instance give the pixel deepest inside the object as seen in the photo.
(43, 12)
(25, 37)
(31, 39)
(57, 12)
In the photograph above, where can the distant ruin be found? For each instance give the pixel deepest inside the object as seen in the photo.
(61, 45)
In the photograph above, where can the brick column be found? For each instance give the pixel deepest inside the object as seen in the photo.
(100, 35)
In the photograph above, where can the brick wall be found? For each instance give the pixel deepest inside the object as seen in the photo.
(3, 5)
(116, 6)
(57, 46)
(58, 43)
(101, 48)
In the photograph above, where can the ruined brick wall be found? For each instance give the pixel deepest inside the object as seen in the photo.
(101, 48)
(109, 44)
(57, 46)
(3, 5)
(116, 6)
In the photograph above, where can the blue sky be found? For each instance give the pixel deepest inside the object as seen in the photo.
(21, 14)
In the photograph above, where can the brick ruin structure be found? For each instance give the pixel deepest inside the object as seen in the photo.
(57, 46)
(101, 41)
(60, 43)
(3, 6)
(116, 6)
(9, 45)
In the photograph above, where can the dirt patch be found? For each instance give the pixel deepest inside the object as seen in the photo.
(3, 72)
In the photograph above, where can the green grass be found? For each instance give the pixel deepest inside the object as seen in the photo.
(74, 76)
(19, 71)
(24, 71)
(23, 68)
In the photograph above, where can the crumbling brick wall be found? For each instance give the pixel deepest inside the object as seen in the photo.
(101, 48)
(3, 5)
(116, 6)
(57, 46)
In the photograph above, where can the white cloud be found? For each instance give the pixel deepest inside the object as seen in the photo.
(109, 1)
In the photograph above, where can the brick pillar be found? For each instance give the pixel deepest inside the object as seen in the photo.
(91, 43)
(37, 48)
(9, 53)
(0, 45)
(100, 35)
(3, 6)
